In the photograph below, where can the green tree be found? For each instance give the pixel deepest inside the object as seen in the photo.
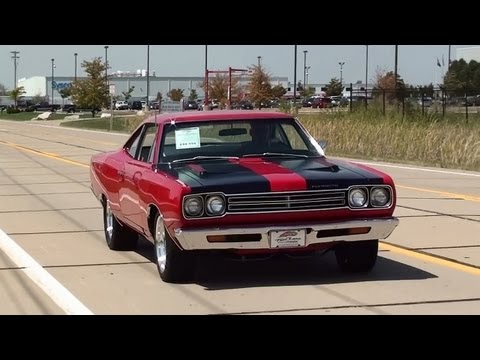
(65, 93)
(128, 94)
(307, 92)
(218, 88)
(393, 88)
(92, 92)
(175, 94)
(463, 77)
(334, 87)
(193, 95)
(16, 94)
(278, 91)
(259, 88)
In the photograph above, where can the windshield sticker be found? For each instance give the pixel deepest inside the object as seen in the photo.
(187, 138)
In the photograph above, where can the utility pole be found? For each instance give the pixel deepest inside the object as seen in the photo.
(396, 68)
(449, 56)
(75, 65)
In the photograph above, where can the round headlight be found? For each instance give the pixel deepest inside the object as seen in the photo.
(357, 198)
(193, 206)
(380, 197)
(215, 205)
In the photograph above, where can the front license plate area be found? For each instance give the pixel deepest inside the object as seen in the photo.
(285, 239)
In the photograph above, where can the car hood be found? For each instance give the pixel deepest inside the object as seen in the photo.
(252, 175)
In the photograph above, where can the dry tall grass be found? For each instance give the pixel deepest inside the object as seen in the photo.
(427, 140)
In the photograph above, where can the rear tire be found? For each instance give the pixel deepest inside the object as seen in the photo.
(357, 256)
(174, 265)
(118, 237)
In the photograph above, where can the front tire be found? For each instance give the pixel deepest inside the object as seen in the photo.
(118, 237)
(357, 256)
(174, 265)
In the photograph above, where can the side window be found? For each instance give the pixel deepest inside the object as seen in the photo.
(132, 144)
(294, 137)
(147, 143)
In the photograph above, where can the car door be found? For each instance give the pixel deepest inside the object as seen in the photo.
(132, 201)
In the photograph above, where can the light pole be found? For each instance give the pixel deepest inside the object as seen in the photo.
(396, 68)
(305, 68)
(259, 58)
(295, 79)
(106, 63)
(341, 63)
(205, 100)
(366, 75)
(148, 78)
(75, 78)
(15, 57)
(306, 77)
(449, 56)
(53, 80)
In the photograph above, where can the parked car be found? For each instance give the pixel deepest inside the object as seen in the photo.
(121, 105)
(136, 105)
(241, 183)
(190, 105)
(243, 105)
(321, 102)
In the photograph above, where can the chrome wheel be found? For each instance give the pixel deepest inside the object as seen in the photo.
(160, 244)
(108, 220)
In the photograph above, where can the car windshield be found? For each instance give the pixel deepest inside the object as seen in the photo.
(234, 139)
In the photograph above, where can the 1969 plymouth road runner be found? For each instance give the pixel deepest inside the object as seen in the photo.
(246, 183)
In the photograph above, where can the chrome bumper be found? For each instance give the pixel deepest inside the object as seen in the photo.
(196, 239)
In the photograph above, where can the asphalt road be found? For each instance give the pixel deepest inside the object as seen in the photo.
(429, 265)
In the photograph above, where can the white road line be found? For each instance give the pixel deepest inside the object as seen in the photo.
(84, 130)
(56, 291)
(416, 168)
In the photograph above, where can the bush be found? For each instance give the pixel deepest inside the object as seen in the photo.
(12, 110)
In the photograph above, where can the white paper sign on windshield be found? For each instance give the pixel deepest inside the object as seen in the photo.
(187, 138)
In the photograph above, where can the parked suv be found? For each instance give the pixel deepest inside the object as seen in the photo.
(121, 105)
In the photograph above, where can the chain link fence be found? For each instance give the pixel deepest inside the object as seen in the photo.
(440, 101)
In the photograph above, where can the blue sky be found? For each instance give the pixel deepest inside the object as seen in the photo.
(417, 64)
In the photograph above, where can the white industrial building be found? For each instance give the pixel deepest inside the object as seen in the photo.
(42, 85)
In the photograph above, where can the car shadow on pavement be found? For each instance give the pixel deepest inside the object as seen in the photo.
(215, 273)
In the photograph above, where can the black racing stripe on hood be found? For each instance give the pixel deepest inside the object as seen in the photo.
(227, 177)
(322, 173)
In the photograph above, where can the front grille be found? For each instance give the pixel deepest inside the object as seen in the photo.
(287, 201)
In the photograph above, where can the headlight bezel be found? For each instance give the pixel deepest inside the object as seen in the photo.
(209, 199)
(204, 214)
(388, 194)
(354, 189)
(187, 199)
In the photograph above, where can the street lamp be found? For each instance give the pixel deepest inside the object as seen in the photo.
(259, 58)
(148, 78)
(366, 76)
(341, 63)
(15, 57)
(106, 63)
(53, 80)
(305, 68)
(75, 66)
(295, 78)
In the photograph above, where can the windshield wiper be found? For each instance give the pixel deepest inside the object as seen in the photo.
(266, 154)
(200, 157)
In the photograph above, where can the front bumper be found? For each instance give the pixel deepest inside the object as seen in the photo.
(196, 239)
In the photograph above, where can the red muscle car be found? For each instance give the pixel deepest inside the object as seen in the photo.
(247, 183)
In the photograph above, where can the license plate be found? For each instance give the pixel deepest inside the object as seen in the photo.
(287, 238)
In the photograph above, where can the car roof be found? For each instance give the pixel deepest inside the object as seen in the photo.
(216, 116)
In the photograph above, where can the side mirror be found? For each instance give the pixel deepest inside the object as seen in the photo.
(322, 143)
